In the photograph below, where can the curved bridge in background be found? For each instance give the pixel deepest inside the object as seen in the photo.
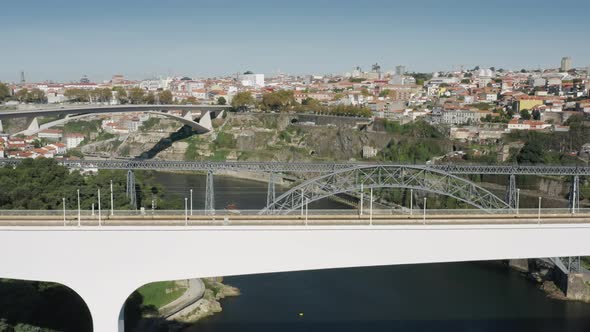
(189, 112)
(414, 177)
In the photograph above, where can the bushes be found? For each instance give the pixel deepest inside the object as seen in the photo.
(225, 140)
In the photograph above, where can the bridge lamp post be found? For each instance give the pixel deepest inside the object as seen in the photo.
(306, 209)
(99, 214)
(64, 206)
(79, 222)
(517, 200)
(362, 198)
(186, 211)
(424, 216)
(371, 208)
(411, 201)
(191, 202)
(112, 200)
(539, 216)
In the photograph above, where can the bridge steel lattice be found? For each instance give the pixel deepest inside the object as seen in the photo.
(288, 167)
(409, 177)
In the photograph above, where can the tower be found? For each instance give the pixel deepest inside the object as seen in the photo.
(566, 64)
(22, 77)
(400, 70)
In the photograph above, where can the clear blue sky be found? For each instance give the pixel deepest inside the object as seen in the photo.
(65, 39)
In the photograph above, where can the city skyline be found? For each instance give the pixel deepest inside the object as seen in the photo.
(65, 40)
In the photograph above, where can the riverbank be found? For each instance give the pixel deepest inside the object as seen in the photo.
(208, 304)
(574, 287)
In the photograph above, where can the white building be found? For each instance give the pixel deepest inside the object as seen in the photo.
(254, 80)
(155, 84)
(51, 134)
(73, 140)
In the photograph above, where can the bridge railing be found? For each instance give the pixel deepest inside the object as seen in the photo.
(416, 212)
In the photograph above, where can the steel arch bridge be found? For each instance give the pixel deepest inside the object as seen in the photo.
(414, 177)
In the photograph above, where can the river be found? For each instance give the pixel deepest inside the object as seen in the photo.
(484, 296)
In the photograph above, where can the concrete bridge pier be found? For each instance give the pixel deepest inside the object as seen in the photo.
(32, 126)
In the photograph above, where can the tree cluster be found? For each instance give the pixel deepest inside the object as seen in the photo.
(86, 96)
(41, 184)
(30, 96)
(4, 92)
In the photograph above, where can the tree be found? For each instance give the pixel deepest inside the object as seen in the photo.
(121, 95)
(536, 114)
(165, 97)
(104, 95)
(4, 92)
(242, 101)
(221, 101)
(21, 95)
(525, 115)
(137, 95)
(309, 101)
(36, 96)
(150, 98)
(531, 153)
(384, 93)
(278, 100)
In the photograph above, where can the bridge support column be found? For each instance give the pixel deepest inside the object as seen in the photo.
(188, 115)
(574, 196)
(205, 120)
(131, 190)
(209, 195)
(271, 193)
(511, 192)
(1, 127)
(32, 127)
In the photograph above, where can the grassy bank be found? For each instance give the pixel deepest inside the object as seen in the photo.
(158, 294)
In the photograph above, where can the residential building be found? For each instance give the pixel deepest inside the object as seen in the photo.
(51, 134)
(253, 80)
(73, 140)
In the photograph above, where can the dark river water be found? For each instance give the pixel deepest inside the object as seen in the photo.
(485, 296)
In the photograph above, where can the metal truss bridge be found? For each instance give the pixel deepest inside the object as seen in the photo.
(290, 167)
(328, 179)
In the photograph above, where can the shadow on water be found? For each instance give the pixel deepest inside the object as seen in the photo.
(164, 143)
(41, 306)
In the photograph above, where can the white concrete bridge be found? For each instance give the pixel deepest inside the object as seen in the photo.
(104, 265)
(204, 114)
